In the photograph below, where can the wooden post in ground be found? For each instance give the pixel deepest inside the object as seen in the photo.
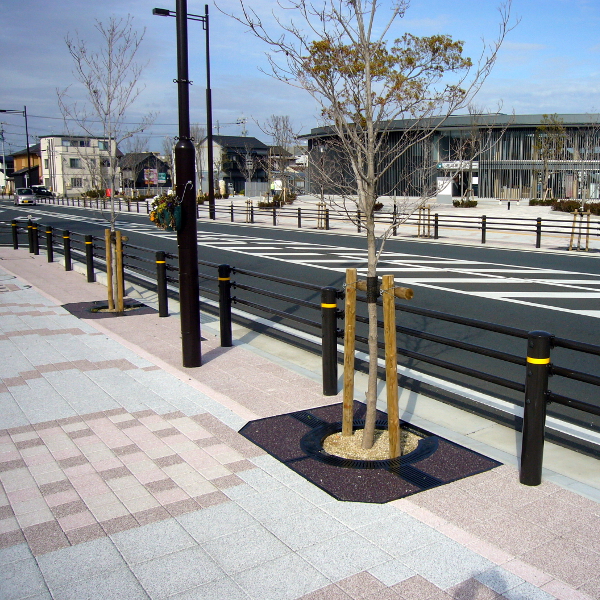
(349, 346)
(108, 257)
(391, 363)
(120, 283)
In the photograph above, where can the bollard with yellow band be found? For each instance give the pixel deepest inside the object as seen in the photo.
(49, 244)
(15, 234)
(67, 250)
(89, 259)
(30, 235)
(225, 305)
(534, 414)
(35, 238)
(329, 340)
(161, 284)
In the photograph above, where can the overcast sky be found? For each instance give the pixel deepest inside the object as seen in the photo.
(549, 63)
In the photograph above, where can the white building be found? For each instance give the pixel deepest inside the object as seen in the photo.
(73, 164)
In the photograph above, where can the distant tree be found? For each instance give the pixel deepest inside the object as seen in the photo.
(198, 134)
(110, 78)
(549, 146)
(338, 53)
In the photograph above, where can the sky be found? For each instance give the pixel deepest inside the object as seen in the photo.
(549, 63)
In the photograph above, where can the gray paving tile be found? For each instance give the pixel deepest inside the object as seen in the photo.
(63, 567)
(343, 556)
(238, 492)
(446, 563)
(358, 514)
(177, 572)
(216, 521)
(119, 584)
(527, 591)
(13, 553)
(272, 581)
(306, 528)
(278, 470)
(277, 504)
(391, 572)
(259, 480)
(151, 541)
(498, 579)
(311, 492)
(400, 533)
(21, 579)
(223, 589)
(245, 548)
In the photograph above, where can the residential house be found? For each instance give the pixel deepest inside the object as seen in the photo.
(141, 170)
(26, 167)
(237, 160)
(72, 165)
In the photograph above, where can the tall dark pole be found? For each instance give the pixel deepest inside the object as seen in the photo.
(209, 133)
(27, 139)
(185, 187)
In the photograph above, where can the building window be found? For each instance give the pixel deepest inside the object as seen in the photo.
(102, 145)
(76, 182)
(66, 142)
(75, 163)
(46, 164)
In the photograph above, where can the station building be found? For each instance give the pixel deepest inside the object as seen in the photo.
(495, 155)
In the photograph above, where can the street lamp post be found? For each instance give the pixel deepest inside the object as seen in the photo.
(24, 113)
(185, 187)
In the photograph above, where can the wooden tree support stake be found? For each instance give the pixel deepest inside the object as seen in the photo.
(349, 347)
(108, 243)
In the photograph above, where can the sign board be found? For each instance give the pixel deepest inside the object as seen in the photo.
(162, 178)
(459, 165)
(150, 176)
(444, 190)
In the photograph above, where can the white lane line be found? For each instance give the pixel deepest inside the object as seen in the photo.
(562, 295)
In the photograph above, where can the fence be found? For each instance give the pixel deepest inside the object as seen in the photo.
(433, 347)
(433, 226)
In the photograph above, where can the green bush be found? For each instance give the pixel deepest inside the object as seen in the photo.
(572, 206)
(95, 194)
(540, 202)
(464, 203)
(377, 206)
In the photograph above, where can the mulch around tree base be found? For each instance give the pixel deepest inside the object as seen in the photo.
(295, 440)
(89, 310)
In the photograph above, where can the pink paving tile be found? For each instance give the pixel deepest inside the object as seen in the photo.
(151, 515)
(240, 465)
(86, 482)
(9, 456)
(35, 518)
(511, 533)
(33, 505)
(528, 572)
(415, 588)
(562, 591)
(591, 588)
(79, 470)
(141, 503)
(107, 512)
(182, 507)
(119, 524)
(471, 589)
(40, 459)
(150, 476)
(107, 464)
(330, 592)
(489, 551)
(212, 499)
(167, 497)
(61, 498)
(93, 490)
(9, 524)
(572, 563)
(127, 459)
(70, 508)
(77, 520)
(362, 585)
(24, 494)
(121, 483)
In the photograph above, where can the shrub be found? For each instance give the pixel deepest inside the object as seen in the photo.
(377, 206)
(540, 202)
(464, 203)
(95, 194)
(572, 206)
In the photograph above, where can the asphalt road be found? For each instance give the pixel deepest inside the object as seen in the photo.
(551, 291)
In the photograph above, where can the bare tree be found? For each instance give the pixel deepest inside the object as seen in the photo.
(110, 77)
(198, 134)
(338, 53)
(549, 146)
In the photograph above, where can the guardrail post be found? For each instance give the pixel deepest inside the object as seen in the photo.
(161, 284)
(326, 219)
(394, 216)
(538, 233)
(15, 234)
(534, 416)
(231, 209)
(67, 250)
(49, 244)
(225, 305)
(436, 226)
(252, 214)
(329, 340)
(30, 235)
(35, 238)
(89, 258)
(274, 215)
(483, 228)
(358, 221)
(299, 217)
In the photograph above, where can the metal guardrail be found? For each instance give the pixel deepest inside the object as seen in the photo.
(538, 365)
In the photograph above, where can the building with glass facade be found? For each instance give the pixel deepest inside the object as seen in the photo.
(494, 155)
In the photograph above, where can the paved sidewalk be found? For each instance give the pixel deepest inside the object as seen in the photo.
(123, 476)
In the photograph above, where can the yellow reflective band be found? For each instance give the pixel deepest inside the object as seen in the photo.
(328, 305)
(66, 237)
(161, 262)
(224, 278)
(538, 361)
(89, 242)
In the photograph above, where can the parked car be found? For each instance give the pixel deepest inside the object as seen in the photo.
(41, 191)
(24, 196)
